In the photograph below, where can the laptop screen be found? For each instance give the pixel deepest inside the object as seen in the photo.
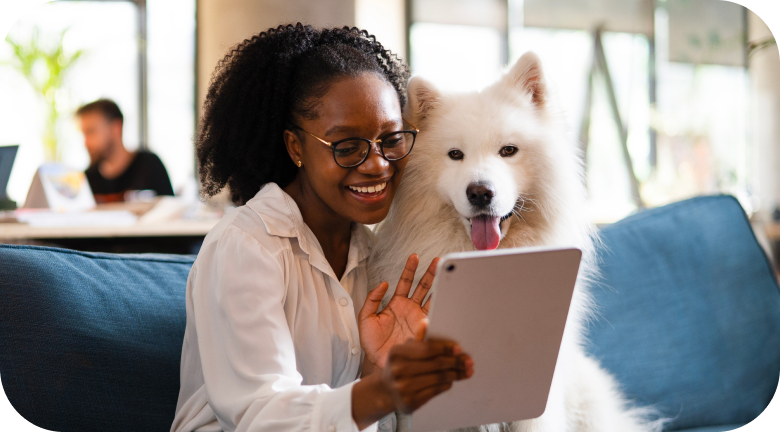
(7, 156)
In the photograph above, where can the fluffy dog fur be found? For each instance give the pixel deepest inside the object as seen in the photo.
(540, 187)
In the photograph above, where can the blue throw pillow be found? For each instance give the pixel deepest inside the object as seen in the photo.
(91, 341)
(689, 313)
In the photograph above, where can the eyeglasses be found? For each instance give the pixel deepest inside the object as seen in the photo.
(351, 152)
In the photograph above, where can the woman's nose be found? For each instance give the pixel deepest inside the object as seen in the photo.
(375, 163)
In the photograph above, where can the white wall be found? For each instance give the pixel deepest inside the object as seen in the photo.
(224, 23)
(765, 119)
(385, 20)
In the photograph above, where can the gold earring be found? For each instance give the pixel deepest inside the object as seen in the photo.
(299, 164)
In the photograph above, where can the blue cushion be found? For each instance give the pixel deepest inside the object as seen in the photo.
(722, 428)
(689, 313)
(91, 341)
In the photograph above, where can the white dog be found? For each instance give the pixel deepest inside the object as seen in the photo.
(495, 169)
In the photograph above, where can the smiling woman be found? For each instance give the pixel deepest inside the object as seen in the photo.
(304, 127)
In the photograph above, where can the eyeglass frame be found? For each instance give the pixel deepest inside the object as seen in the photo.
(332, 144)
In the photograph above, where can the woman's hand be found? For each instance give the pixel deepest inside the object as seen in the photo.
(416, 371)
(404, 318)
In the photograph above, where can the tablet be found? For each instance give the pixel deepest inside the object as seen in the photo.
(507, 309)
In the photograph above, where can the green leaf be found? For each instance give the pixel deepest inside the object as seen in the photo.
(35, 51)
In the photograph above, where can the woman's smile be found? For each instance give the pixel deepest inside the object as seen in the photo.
(370, 193)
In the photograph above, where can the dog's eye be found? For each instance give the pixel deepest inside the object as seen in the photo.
(455, 154)
(507, 151)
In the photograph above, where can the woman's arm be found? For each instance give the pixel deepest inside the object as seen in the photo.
(246, 349)
(416, 371)
(401, 372)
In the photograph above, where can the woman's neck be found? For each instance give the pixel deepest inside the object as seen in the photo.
(333, 231)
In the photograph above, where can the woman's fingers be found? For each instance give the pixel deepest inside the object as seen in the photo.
(425, 283)
(419, 370)
(407, 276)
(373, 299)
(427, 306)
(417, 383)
(425, 395)
(456, 364)
(422, 350)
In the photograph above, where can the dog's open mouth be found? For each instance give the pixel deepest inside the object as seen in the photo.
(486, 231)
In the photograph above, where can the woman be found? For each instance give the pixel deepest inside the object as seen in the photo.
(304, 127)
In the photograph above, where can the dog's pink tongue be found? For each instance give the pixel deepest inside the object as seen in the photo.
(485, 232)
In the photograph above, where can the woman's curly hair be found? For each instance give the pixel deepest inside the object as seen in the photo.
(263, 85)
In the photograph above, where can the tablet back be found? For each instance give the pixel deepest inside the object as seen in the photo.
(507, 309)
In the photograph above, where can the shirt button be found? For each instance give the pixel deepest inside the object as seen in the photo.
(355, 351)
(343, 301)
(331, 428)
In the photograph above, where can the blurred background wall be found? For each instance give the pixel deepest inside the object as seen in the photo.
(695, 82)
(224, 23)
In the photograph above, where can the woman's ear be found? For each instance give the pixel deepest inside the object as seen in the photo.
(294, 147)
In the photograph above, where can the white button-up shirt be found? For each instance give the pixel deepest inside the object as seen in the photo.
(271, 342)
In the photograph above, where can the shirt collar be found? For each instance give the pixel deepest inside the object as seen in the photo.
(282, 218)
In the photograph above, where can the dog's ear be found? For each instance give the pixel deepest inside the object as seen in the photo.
(526, 75)
(423, 98)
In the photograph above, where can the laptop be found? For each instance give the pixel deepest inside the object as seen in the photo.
(7, 156)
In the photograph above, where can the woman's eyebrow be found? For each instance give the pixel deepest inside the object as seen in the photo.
(355, 129)
(336, 129)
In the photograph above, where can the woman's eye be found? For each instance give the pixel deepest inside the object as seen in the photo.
(507, 151)
(455, 154)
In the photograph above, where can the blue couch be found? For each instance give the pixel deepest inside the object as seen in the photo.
(689, 322)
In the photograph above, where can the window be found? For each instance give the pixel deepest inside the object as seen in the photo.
(109, 33)
(677, 70)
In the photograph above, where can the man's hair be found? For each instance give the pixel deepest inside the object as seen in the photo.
(267, 82)
(108, 108)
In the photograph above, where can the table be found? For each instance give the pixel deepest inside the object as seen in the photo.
(174, 236)
(162, 225)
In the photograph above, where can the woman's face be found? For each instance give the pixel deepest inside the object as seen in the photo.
(366, 107)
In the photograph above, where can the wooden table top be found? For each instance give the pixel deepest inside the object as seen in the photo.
(173, 228)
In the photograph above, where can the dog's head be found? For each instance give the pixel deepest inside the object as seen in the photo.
(498, 159)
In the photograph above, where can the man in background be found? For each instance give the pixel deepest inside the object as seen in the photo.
(113, 170)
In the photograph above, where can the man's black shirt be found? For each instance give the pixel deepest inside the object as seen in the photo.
(146, 171)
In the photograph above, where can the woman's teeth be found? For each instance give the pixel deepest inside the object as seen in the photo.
(369, 189)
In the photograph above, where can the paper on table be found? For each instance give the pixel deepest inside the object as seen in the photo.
(91, 218)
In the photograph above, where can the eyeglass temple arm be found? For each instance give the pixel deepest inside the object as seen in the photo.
(410, 124)
(317, 138)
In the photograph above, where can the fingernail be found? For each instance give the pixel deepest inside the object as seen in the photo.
(469, 363)
(456, 350)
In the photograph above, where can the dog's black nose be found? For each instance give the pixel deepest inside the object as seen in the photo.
(479, 194)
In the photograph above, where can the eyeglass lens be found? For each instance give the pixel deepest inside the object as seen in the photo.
(352, 152)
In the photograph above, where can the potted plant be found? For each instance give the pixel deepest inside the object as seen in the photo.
(44, 63)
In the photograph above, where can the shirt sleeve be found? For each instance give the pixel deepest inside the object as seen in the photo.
(246, 349)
